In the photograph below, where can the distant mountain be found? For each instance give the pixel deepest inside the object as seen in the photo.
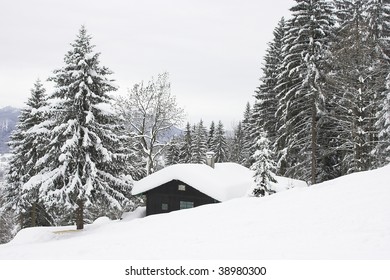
(8, 120)
(169, 134)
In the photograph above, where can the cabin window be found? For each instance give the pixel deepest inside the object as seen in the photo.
(186, 204)
(164, 206)
(182, 187)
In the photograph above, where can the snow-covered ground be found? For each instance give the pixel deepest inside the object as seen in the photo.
(347, 218)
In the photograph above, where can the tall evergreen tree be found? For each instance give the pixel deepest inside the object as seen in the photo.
(173, 152)
(357, 80)
(219, 144)
(185, 152)
(303, 103)
(384, 124)
(287, 83)
(325, 85)
(247, 140)
(199, 144)
(264, 110)
(378, 18)
(27, 145)
(134, 160)
(237, 145)
(85, 162)
(211, 135)
(7, 220)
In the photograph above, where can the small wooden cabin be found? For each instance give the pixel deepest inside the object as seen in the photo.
(174, 195)
(184, 186)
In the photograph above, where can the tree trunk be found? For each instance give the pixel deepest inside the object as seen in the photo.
(21, 220)
(34, 215)
(313, 144)
(80, 214)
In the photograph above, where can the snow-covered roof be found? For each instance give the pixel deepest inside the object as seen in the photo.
(225, 181)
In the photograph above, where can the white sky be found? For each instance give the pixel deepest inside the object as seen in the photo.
(213, 49)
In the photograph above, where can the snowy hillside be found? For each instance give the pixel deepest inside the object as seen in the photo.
(347, 218)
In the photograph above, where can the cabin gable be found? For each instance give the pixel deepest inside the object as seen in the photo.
(174, 195)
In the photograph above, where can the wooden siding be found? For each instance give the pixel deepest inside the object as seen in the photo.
(170, 194)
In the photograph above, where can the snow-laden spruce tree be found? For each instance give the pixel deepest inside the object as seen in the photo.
(219, 144)
(263, 166)
(301, 84)
(211, 136)
(360, 62)
(172, 155)
(268, 112)
(237, 144)
(383, 147)
(265, 107)
(27, 144)
(7, 220)
(186, 145)
(199, 143)
(378, 18)
(247, 140)
(85, 162)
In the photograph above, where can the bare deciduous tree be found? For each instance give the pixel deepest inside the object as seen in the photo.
(150, 112)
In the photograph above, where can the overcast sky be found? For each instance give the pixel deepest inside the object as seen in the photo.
(213, 49)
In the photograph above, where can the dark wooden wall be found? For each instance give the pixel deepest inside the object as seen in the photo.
(170, 194)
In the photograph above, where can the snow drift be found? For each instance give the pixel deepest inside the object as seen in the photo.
(346, 218)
